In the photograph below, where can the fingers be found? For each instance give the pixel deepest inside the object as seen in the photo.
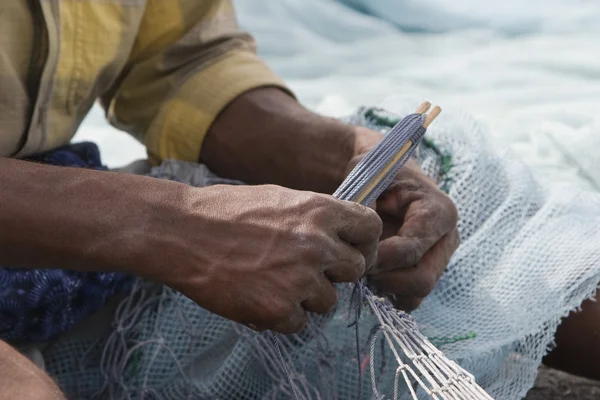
(424, 225)
(400, 252)
(358, 224)
(360, 228)
(411, 282)
(346, 263)
(369, 252)
(412, 187)
(409, 286)
(436, 217)
(291, 316)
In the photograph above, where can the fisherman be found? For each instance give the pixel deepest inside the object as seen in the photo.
(181, 78)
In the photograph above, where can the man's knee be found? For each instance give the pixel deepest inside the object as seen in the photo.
(20, 379)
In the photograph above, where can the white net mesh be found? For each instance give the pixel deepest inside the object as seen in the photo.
(529, 255)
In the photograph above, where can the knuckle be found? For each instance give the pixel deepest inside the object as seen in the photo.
(323, 203)
(425, 212)
(370, 223)
(358, 210)
(318, 206)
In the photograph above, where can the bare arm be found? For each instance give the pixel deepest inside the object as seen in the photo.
(208, 243)
(76, 218)
(93, 220)
(266, 136)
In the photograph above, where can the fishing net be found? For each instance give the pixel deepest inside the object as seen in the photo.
(529, 256)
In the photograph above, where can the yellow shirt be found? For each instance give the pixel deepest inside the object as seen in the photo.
(162, 70)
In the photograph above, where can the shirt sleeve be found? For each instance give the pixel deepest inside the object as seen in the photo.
(189, 61)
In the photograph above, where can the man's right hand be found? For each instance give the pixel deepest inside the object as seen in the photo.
(261, 255)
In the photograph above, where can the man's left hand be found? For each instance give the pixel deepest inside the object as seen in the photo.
(419, 233)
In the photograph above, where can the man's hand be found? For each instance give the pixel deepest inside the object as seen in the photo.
(419, 233)
(262, 255)
(293, 147)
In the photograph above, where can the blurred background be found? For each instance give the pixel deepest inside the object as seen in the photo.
(528, 70)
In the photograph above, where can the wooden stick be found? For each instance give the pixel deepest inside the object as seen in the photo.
(432, 116)
(423, 108)
(365, 192)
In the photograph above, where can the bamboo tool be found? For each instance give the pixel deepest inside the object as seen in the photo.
(420, 364)
(432, 116)
(378, 168)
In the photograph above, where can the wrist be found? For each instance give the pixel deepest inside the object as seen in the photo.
(339, 144)
(73, 218)
(125, 213)
(150, 229)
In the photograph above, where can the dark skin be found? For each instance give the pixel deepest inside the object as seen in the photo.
(288, 249)
(312, 240)
(118, 222)
(292, 242)
(419, 234)
(419, 228)
(419, 220)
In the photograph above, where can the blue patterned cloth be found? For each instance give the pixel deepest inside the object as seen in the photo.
(39, 304)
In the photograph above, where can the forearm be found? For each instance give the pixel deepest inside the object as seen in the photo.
(74, 218)
(266, 136)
